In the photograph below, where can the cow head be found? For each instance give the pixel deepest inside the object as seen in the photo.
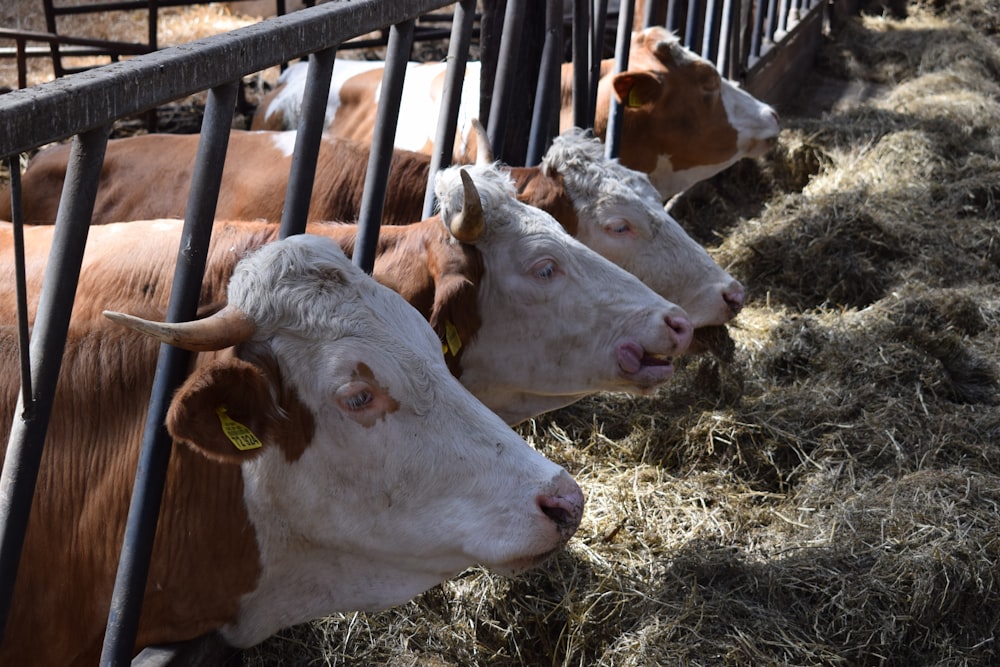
(619, 215)
(683, 122)
(370, 473)
(559, 321)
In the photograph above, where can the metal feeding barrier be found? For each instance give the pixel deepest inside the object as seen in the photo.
(740, 37)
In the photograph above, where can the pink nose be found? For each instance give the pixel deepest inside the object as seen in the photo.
(682, 330)
(735, 297)
(564, 505)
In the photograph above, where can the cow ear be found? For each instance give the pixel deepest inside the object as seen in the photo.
(455, 315)
(224, 410)
(636, 89)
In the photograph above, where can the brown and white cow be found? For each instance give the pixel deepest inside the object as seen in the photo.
(360, 472)
(683, 122)
(609, 208)
(532, 320)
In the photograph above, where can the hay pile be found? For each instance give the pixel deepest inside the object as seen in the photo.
(828, 493)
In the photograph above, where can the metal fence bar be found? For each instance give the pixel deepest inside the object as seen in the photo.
(598, 18)
(302, 173)
(23, 341)
(581, 89)
(27, 435)
(548, 91)
(373, 196)
(458, 55)
(623, 40)
(171, 369)
(506, 71)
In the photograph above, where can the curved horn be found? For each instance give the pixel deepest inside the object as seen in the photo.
(484, 152)
(224, 329)
(468, 224)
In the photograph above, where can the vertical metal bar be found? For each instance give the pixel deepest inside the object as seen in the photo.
(506, 69)
(454, 82)
(171, 369)
(725, 41)
(757, 14)
(153, 16)
(672, 22)
(21, 287)
(302, 173)
(691, 27)
(649, 12)
(708, 30)
(548, 92)
(581, 92)
(27, 434)
(380, 158)
(598, 19)
(770, 24)
(22, 62)
(613, 136)
(782, 26)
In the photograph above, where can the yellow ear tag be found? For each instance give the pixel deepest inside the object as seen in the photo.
(633, 99)
(238, 434)
(452, 339)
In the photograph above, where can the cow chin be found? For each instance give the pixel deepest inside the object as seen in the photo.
(518, 566)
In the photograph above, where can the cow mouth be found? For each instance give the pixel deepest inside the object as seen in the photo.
(642, 367)
(518, 565)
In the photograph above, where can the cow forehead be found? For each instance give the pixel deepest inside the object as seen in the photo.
(306, 285)
(600, 187)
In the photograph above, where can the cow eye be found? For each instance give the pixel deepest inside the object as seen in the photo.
(545, 269)
(359, 400)
(618, 228)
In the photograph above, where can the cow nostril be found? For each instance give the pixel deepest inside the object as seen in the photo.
(734, 297)
(681, 326)
(565, 512)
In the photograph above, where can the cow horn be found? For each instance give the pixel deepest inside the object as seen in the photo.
(224, 329)
(468, 224)
(484, 152)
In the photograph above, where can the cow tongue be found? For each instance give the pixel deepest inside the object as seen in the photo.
(632, 358)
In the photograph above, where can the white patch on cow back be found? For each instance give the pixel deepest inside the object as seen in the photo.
(284, 142)
(419, 110)
(288, 100)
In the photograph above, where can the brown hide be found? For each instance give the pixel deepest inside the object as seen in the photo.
(672, 107)
(205, 553)
(125, 272)
(149, 176)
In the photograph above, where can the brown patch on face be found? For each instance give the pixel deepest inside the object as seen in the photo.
(295, 430)
(547, 194)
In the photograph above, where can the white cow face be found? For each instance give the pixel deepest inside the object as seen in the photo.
(404, 479)
(621, 218)
(559, 321)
